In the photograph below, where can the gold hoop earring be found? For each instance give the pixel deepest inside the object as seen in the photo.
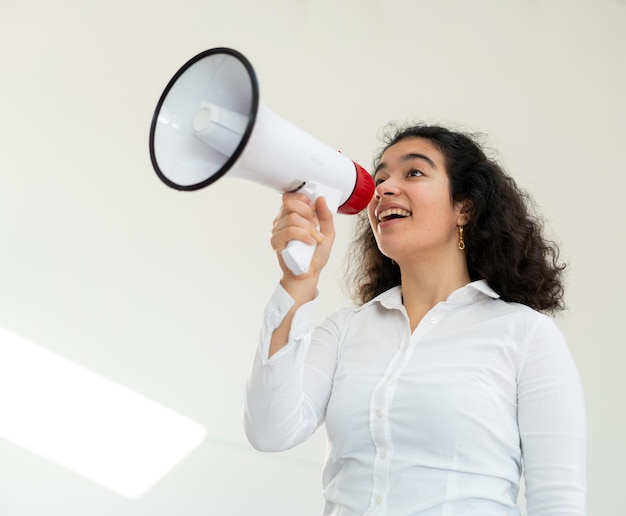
(461, 241)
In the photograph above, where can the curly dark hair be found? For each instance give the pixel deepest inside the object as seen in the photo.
(504, 239)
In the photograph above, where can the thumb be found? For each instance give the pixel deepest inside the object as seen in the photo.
(325, 217)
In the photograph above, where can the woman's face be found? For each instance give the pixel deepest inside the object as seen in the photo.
(412, 212)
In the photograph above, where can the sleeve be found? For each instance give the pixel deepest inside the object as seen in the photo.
(552, 423)
(286, 395)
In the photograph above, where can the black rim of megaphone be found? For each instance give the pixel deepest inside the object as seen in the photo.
(246, 135)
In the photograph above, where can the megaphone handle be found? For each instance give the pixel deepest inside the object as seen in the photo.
(297, 255)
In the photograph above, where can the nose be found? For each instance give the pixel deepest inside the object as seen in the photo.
(385, 188)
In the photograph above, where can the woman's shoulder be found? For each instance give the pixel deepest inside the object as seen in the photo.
(501, 306)
(507, 320)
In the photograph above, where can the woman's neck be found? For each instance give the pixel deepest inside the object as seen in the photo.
(425, 285)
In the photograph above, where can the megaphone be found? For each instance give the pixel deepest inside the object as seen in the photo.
(210, 121)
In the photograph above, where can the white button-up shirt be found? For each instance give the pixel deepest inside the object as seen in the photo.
(441, 421)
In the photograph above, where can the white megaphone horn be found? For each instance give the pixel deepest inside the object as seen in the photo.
(209, 121)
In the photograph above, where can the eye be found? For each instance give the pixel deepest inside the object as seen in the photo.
(378, 180)
(414, 173)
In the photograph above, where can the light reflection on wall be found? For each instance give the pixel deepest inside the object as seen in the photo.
(87, 423)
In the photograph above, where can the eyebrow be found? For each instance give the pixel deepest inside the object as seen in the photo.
(408, 157)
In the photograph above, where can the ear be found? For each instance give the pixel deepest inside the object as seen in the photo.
(464, 212)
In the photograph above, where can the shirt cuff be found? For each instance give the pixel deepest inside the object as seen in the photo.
(275, 311)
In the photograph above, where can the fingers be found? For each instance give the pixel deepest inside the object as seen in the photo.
(300, 218)
(296, 220)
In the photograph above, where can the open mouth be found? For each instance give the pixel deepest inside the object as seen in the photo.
(393, 213)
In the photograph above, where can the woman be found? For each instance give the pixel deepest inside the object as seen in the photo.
(446, 382)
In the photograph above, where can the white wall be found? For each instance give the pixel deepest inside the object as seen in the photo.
(163, 291)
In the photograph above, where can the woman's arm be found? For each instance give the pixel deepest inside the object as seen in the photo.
(551, 418)
(285, 398)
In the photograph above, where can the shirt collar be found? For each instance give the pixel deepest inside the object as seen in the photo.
(483, 286)
(392, 298)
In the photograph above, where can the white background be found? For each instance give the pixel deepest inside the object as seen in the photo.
(163, 291)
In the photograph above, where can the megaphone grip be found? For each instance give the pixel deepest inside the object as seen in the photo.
(298, 255)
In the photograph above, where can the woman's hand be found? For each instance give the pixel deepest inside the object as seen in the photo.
(298, 219)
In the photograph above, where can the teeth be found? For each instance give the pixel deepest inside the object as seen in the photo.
(385, 214)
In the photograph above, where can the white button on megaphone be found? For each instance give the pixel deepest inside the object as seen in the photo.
(210, 121)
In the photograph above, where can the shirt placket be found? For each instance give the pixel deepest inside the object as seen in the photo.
(381, 400)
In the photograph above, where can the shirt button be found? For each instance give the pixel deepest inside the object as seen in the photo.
(433, 320)
(379, 413)
(383, 455)
(379, 499)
